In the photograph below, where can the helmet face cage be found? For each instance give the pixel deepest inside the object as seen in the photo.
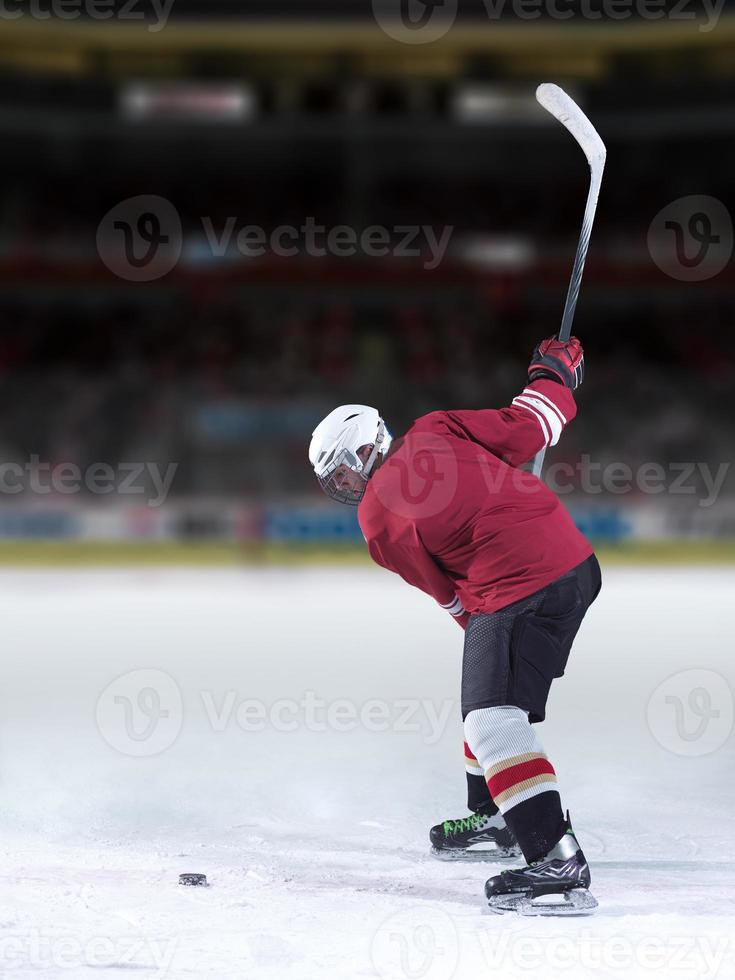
(328, 480)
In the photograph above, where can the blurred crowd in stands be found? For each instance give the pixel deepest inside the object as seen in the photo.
(230, 386)
(226, 367)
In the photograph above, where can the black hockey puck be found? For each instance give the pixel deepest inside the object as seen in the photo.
(193, 880)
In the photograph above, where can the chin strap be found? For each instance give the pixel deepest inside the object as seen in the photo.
(379, 439)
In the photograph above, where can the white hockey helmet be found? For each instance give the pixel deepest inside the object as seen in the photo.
(334, 447)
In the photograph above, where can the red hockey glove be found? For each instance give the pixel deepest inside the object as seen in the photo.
(558, 360)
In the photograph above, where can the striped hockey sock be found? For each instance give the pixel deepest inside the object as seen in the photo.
(520, 778)
(478, 794)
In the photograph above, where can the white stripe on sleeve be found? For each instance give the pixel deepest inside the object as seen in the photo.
(551, 415)
(545, 398)
(454, 607)
(544, 427)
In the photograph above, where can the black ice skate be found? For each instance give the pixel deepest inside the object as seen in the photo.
(478, 837)
(557, 884)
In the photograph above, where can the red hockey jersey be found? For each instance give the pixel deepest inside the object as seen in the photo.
(453, 514)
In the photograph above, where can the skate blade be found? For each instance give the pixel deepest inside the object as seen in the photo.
(577, 901)
(460, 854)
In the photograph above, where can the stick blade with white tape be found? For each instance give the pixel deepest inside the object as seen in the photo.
(563, 107)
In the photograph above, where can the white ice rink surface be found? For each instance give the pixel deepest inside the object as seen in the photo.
(294, 734)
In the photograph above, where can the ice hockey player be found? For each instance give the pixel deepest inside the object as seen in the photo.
(450, 508)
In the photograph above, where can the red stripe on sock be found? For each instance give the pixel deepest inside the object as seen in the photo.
(468, 752)
(516, 774)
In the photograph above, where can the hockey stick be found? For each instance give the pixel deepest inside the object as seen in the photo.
(556, 101)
